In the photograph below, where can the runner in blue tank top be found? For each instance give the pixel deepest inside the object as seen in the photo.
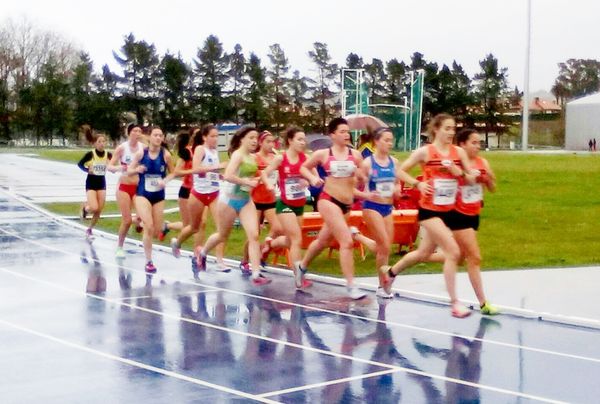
(152, 165)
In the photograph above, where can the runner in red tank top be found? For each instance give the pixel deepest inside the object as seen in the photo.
(290, 204)
(443, 164)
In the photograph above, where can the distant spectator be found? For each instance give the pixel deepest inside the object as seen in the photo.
(591, 144)
(594, 144)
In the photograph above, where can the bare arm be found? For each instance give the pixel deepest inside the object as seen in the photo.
(114, 165)
(307, 169)
(273, 165)
(135, 167)
(490, 184)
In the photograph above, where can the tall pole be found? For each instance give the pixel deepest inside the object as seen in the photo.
(525, 121)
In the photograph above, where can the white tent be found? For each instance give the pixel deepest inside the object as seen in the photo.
(583, 122)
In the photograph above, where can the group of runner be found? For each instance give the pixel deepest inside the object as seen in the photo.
(260, 183)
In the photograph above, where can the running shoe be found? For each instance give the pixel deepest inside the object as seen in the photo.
(460, 311)
(88, 234)
(195, 266)
(165, 230)
(202, 262)
(306, 283)
(175, 248)
(222, 267)
(245, 268)
(489, 310)
(387, 279)
(83, 213)
(299, 273)
(355, 293)
(150, 268)
(383, 294)
(354, 231)
(260, 280)
(265, 250)
(120, 253)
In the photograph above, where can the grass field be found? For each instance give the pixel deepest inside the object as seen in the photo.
(544, 213)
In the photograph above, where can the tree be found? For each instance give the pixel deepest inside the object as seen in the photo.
(211, 73)
(238, 80)
(175, 76)
(491, 85)
(140, 73)
(375, 75)
(278, 90)
(326, 80)
(298, 89)
(81, 87)
(255, 110)
(577, 78)
(431, 87)
(455, 91)
(353, 61)
(395, 81)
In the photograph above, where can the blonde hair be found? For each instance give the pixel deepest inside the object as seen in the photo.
(436, 122)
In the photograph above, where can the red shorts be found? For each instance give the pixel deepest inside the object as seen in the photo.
(129, 189)
(206, 199)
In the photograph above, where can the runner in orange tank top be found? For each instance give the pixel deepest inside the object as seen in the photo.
(464, 220)
(443, 164)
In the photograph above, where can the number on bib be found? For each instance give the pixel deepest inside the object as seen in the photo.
(444, 191)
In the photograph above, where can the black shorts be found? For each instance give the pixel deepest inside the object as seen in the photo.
(184, 193)
(425, 214)
(95, 183)
(460, 221)
(264, 206)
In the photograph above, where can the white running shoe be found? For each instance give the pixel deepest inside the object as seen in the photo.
(120, 253)
(175, 249)
(355, 293)
(383, 294)
(298, 274)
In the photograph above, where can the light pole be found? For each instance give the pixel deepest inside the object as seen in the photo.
(525, 118)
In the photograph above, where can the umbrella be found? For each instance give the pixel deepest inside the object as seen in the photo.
(318, 141)
(364, 122)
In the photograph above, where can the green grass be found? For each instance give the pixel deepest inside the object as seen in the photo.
(544, 214)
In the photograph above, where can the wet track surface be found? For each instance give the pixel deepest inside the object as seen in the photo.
(77, 326)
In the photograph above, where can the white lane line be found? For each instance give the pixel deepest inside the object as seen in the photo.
(137, 364)
(320, 309)
(162, 295)
(276, 341)
(328, 383)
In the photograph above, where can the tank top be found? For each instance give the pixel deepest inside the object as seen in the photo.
(290, 181)
(97, 165)
(187, 165)
(340, 168)
(260, 193)
(382, 179)
(156, 169)
(470, 197)
(247, 169)
(208, 182)
(128, 153)
(437, 174)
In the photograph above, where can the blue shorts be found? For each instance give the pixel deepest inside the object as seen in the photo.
(382, 209)
(153, 197)
(235, 204)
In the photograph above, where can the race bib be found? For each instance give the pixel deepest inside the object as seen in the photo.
(98, 169)
(471, 193)
(342, 169)
(294, 189)
(213, 178)
(444, 191)
(385, 189)
(152, 183)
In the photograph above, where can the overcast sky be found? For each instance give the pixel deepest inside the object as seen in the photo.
(443, 30)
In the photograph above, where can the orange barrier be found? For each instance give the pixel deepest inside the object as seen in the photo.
(406, 228)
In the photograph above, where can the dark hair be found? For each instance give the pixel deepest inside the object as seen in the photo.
(463, 135)
(131, 126)
(290, 133)
(183, 139)
(236, 140)
(91, 135)
(436, 123)
(334, 123)
(378, 133)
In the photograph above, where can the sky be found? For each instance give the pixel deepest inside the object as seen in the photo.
(443, 30)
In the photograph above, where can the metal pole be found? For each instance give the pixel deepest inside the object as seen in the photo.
(412, 105)
(405, 116)
(525, 120)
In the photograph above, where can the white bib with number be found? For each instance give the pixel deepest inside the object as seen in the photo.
(342, 169)
(294, 189)
(385, 189)
(152, 183)
(471, 193)
(98, 169)
(444, 191)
